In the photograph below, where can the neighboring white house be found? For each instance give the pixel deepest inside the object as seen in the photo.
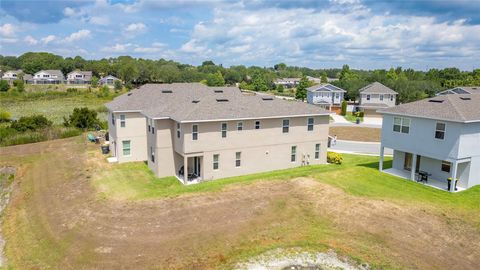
(326, 95)
(438, 136)
(287, 82)
(196, 132)
(12, 75)
(314, 80)
(48, 77)
(79, 77)
(376, 96)
(108, 80)
(461, 90)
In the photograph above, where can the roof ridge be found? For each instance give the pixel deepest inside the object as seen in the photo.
(449, 97)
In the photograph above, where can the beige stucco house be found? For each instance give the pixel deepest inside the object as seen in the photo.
(197, 133)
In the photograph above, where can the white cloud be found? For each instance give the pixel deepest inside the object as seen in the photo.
(100, 20)
(48, 39)
(81, 34)
(68, 11)
(135, 28)
(7, 30)
(30, 40)
(8, 40)
(117, 48)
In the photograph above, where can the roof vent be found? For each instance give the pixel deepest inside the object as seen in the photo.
(222, 100)
(435, 101)
(218, 91)
(465, 98)
(129, 94)
(167, 91)
(267, 98)
(195, 101)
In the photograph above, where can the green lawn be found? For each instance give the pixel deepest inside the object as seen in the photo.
(350, 117)
(357, 175)
(54, 105)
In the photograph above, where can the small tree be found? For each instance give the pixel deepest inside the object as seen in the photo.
(5, 116)
(344, 108)
(4, 86)
(301, 92)
(82, 118)
(215, 79)
(324, 78)
(94, 81)
(117, 85)
(19, 85)
(280, 88)
(104, 91)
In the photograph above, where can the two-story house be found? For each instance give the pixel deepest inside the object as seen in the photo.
(376, 96)
(12, 75)
(461, 90)
(48, 77)
(196, 133)
(79, 77)
(438, 137)
(325, 95)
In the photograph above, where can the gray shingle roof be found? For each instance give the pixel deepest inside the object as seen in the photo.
(461, 90)
(153, 102)
(86, 73)
(325, 87)
(457, 108)
(376, 88)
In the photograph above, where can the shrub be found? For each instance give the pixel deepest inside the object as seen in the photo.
(82, 118)
(19, 85)
(94, 81)
(334, 158)
(4, 86)
(280, 88)
(5, 116)
(344, 108)
(360, 114)
(117, 85)
(104, 91)
(33, 123)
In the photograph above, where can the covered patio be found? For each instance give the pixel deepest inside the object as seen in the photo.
(193, 172)
(438, 184)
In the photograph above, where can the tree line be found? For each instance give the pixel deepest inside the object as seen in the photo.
(410, 84)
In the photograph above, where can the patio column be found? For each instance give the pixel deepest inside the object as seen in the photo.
(413, 167)
(185, 169)
(454, 176)
(382, 153)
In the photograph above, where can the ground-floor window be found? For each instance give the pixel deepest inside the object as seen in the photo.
(126, 148)
(216, 161)
(238, 159)
(293, 154)
(446, 166)
(317, 151)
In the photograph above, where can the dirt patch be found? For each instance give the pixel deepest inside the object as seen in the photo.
(362, 134)
(56, 198)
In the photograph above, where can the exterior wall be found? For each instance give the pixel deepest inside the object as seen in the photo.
(315, 97)
(474, 172)
(167, 161)
(375, 98)
(134, 130)
(264, 149)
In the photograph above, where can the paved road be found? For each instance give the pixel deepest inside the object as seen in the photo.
(368, 148)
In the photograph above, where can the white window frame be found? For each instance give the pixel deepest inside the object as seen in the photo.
(402, 124)
(317, 151)
(238, 159)
(113, 119)
(286, 127)
(194, 132)
(239, 126)
(224, 130)
(444, 131)
(391, 97)
(381, 97)
(123, 121)
(129, 148)
(216, 162)
(368, 97)
(258, 124)
(310, 126)
(293, 154)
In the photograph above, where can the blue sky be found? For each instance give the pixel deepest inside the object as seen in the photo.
(319, 34)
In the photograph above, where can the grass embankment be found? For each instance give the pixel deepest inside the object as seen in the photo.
(362, 134)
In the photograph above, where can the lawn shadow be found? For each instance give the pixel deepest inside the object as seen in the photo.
(374, 165)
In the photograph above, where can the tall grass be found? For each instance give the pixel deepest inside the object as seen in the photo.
(9, 136)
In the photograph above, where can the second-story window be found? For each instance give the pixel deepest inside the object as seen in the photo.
(122, 120)
(257, 124)
(194, 132)
(401, 124)
(440, 131)
(285, 125)
(224, 130)
(240, 126)
(178, 130)
(381, 97)
(310, 123)
(368, 97)
(391, 97)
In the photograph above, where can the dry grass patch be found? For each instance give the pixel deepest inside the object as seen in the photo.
(363, 134)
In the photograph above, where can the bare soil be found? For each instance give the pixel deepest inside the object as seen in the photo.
(201, 231)
(361, 134)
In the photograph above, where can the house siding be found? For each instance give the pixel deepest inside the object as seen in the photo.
(134, 130)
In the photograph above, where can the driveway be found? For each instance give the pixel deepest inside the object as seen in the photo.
(353, 147)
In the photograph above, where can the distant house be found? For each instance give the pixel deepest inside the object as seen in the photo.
(12, 75)
(314, 80)
(325, 95)
(79, 77)
(435, 139)
(461, 90)
(376, 96)
(108, 80)
(48, 77)
(287, 82)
